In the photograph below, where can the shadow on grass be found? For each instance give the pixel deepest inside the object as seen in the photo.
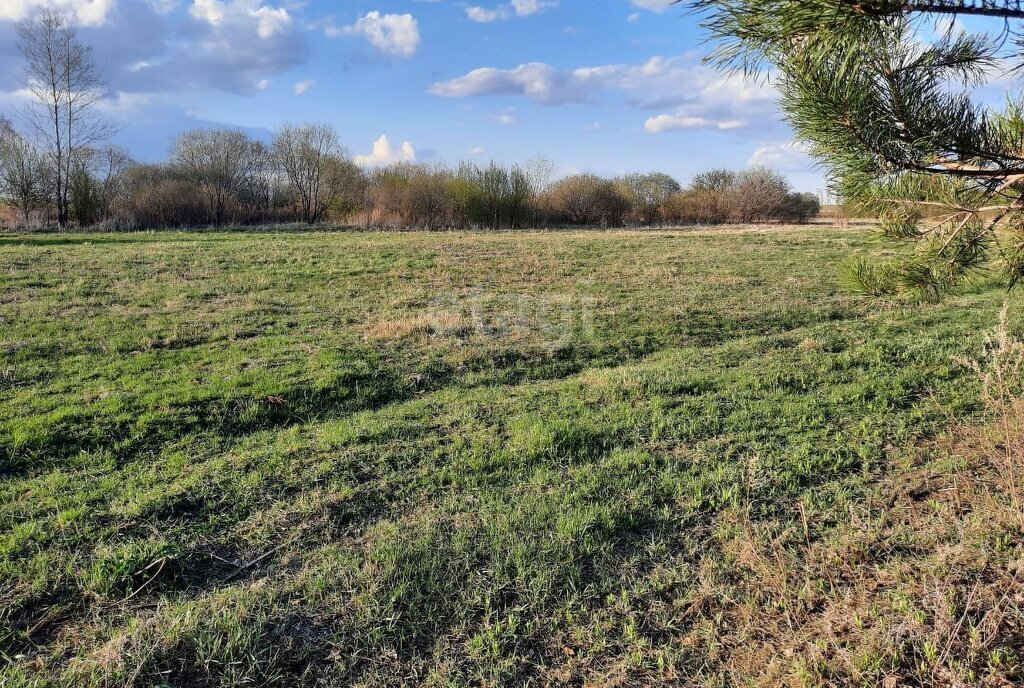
(52, 237)
(233, 418)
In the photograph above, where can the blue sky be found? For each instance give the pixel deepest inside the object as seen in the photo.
(605, 86)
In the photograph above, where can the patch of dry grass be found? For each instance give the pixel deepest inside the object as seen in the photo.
(443, 323)
(923, 585)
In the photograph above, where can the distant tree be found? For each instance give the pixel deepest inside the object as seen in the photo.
(162, 196)
(648, 193)
(223, 163)
(386, 194)
(540, 172)
(427, 197)
(884, 98)
(66, 87)
(709, 198)
(84, 196)
(720, 180)
(758, 195)
(24, 173)
(110, 165)
(351, 182)
(497, 196)
(309, 155)
(96, 183)
(801, 207)
(586, 199)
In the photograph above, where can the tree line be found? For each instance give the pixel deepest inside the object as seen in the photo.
(58, 169)
(224, 177)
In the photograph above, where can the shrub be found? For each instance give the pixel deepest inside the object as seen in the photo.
(586, 199)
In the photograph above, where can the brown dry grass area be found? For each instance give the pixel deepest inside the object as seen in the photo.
(922, 586)
(423, 324)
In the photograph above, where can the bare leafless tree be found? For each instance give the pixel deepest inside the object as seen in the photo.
(224, 163)
(23, 171)
(758, 195)
(66, 87)
(426, 196)
(310, 157)
(588, 199)
(648, 194)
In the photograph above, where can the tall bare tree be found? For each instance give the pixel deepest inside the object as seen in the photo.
(311, 157)
(66, 86)
(223, 162)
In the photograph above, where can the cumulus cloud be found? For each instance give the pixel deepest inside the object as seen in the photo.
(696, 95)
(84, 12)
(538, 81)
(231, 45)
(788, 156)
(517, 8)
(385, 154)
(302, 87)
(524, 8)
(483, 15)
(395, 35)
(172, 45)
(268, 21)
(656, 125)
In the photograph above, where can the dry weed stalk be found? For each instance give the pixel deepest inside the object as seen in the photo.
(1001, 369)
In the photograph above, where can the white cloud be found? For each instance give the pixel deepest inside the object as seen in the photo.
(661, 123)
(227, 44)
(633, 18)
(19, 96)
(696, 95)
(209, 11)
(385, 154)
(262, 85)
(123, 104)
(788, 156)
(507, 119)
(303, 87)
(539, 82)
(163, 7)
(483, 15)
(524, 8)
(654, 5)
(396, 35)
(268, 21)
(84, 12)
(517, 8)
(477, 151)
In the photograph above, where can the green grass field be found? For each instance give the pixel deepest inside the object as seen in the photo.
(254, 459)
